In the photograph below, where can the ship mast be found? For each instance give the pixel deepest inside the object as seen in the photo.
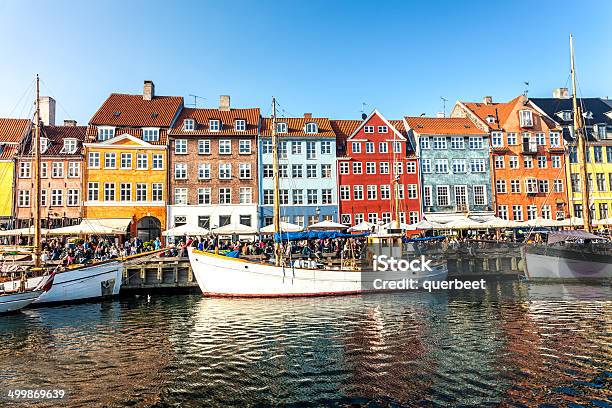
(276, 214)
(580, 136)
(36, 176)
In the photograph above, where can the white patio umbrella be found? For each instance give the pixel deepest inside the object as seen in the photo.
(22, 231)
(362, 227)
(327, 226)
(186, 229)
(284, 227)
(85, 228)
(605, 221)
(497, 222)
(393, 224)
(541, 222)
(235, 229)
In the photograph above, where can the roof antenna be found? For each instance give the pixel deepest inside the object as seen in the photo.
(363, 114)
(526, 88)
(443, 99)
(195, 100)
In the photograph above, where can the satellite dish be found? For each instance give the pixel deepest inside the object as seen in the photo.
(364, 116)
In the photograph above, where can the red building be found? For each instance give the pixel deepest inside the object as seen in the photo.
(372, 155)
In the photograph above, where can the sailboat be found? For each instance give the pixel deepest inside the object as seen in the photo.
(75, 283)
(219, 275)
(572, 255)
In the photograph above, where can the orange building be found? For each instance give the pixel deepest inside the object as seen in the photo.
(126, 161)
(527, 158)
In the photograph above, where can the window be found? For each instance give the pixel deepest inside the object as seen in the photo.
(225, 146)
(383, 129)
(72, 197)
(478, 165)
(556, 161)
(43, 170)
(24, 198)
(502, 212)
(424, 142)
(180, 196)
(480, 195)
(110, 161)
(157, 192)
(283, 171)
(311, 150)
(214, 125)
(311, 127)
(531, 186)
(512, 139)
(326, 147)
(459, 166)
(532, 212)
(70, 146)
(439, 143)
(600, 179)
(25, 170)
(109, 191)
(356, 147)
(457, 142)
(268, 171)
(384, 167)
(225, 171)
(383, 147)
(56, 197)
(224, 220)
(546, 213)
(204, 196)
(296, 147)
(513, 162)
(368, 129)
(180, 146)
(441, 166)
(558, 186)
(326, 171)
(540, 139)
(245, 219)
(282, 150)
(93, 191)
(180, 171)
(443, 198)
(344, 219)
(298, 196)
(397, 147)
(240, 125)
(125, 192)
(543, 186)
(555, 139)
(283, 195)
(542, 162)
(158, 162)
(57, 169)
(268, 197)
(369, 147)
(326, 196)
(500, 186)
(398, 168)
(370, 168)
(598, 154)
(609, 154)
(126, 160)
(517, 212)
(412, 191)
(244, 170)
(499, 162)
(528, 162)
(426, 166)
(311, 171)
(142, 161)
(188, 125)
(373, 218)
(411, 167)
(74, 169)
(385, 217)
(281, 127)
(357, 192)
(297, 171)
(515, 186)
(573, 154)
(603, 211)
(105, 133)
(312, 196)
(461, 198)
(575, 182)
(372, 192)
(204, 146)
(578, 210)
(526, 118)
(427, 196)
(476, 142)
(345, 192)
(244, 147)
(150, 135)
(497, 139)
(344, 168)
(225, 195)
(357, 168)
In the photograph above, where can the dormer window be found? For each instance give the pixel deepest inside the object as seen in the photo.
(566, 115)
(105, 133)
(490, 119)
(70, 146)
(281, 127)
(214, 125)
(311, 127)
(240, 125)
(44, 144)
(150, 134)
(526, 118)
(189, 125)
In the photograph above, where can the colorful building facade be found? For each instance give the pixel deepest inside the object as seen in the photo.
(527, 158)
(307, 171)
(213, 167)
(126, 160)
(455, 166)
(12, 133)
(376, 163)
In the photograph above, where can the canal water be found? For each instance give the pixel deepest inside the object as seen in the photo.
(511, 345)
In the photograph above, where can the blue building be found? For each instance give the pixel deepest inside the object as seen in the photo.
(307, 171)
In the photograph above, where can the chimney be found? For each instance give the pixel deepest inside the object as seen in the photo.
(487, 100)
(47, 110)
(560, 93)
(148, 93)
(224, 102)
(440, 115)
(70, 122)
(308, 115)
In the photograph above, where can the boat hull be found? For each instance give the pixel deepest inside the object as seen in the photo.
(10, 303)
(552, 267)
(223, 276)
(83, 283)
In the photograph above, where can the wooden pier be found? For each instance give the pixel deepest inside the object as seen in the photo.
(158, 273)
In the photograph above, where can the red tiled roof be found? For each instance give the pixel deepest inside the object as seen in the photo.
(56, 136)
(92, 133)
(443, 126)
(500, 111)
(7, 152)
(133, 111)
(227, 118)
(343, 128)
(13, 130)
(296, 127)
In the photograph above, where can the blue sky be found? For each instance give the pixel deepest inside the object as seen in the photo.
(325, 57)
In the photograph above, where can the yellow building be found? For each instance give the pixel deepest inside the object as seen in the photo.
(12, 133)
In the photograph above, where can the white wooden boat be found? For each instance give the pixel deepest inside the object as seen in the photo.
(13, 302)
